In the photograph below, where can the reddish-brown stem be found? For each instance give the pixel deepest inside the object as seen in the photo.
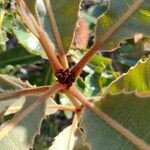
(58, 107)
(63, 107)
(81, 97)
(18, 117)
(2, 17)
(23, 92)
(42, 37)
(49, 51)
(86, 58)
(53, 23)
(114, 124)
(74, 100)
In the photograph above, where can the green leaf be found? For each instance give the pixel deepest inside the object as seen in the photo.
(92, 83)
(32, 6)
(44, 77)
(98, 60)
(69, 140)
(8, 21)
(129, 110)
(97, 8)
(65, 13)
(21, 136)
(3, 40)
(29, 41)
(17, 55)
(10, 84)
(139, 22)
(136, 79)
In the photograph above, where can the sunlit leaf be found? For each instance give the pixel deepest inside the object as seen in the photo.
(3, 40)
(17, 55)
(29, 41)
(136, 79)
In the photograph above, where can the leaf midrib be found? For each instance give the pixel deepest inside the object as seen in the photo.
(16, 59)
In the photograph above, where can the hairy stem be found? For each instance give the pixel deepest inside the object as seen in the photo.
(18, 117)
(53, 23)
(114, 124)
(86, 58)
(23, 92)
(41, 36)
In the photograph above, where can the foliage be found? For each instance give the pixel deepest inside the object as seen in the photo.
(102, 87)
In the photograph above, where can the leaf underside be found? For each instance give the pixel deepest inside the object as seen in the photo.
(21, 137)
(10, 84)
(71, 140)
(129, 110)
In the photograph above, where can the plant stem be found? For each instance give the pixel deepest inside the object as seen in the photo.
(114, 124)
(18, 117)
(59, 107)
(73, 127)
(23, 92)
(41, 36)
(63, 107)
(53, 23)
(73, 99)
(86, 58)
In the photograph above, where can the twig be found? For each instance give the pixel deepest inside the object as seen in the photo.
(114, 124)
(41, 36)
(86, 58)
(23, 92)
(53, 23)
(18, 117)
(73, 99)
(58, 107)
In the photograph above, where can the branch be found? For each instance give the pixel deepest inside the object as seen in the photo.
(114, 124)
(27, 91)
(18, 117)
(40, 35)
(73, 99)
(15, 109)
(86, 58)
(53, 23)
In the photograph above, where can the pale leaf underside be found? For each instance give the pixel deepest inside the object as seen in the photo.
(129, 110)
(21, 137)
(71, 140)
(19, 132)
(10, 84)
